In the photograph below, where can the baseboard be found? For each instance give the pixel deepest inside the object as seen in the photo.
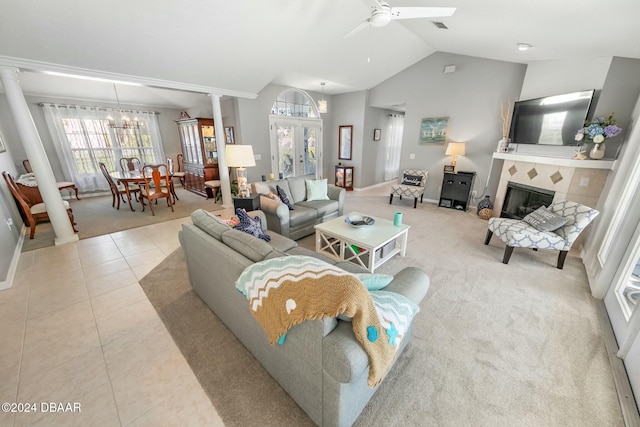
(11, 274)
(380, 184)
(621, 380)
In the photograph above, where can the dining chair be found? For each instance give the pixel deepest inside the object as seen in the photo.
(33, 213)
(180, 174)
(62, 185)
(172, 173)
(130, 164)
(117, 190)
(157, 184)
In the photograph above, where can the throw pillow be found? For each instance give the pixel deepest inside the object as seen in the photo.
(283, 196)
(543, 220)
(316, 189)
(373, 281)
(250, 225)
(415, 180)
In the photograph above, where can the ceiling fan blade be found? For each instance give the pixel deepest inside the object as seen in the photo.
(421, 12)
(357, 29)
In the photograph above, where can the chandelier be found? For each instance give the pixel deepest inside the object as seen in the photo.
(125, 122)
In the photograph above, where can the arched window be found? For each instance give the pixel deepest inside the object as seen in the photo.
(295, 103)
(296, 135)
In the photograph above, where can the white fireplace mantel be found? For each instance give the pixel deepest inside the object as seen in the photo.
(557, 161)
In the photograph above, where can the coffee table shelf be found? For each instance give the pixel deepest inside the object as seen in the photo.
(368, 246)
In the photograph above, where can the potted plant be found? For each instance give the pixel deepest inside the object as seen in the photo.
(597, 130)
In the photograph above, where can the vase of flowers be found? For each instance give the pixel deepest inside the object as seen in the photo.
(598, 130)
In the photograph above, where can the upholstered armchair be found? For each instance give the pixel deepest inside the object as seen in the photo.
(517, 233)
(411, 185)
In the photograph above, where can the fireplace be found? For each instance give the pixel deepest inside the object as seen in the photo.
(520, 200)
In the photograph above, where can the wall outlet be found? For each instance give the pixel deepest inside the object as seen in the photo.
(10, 223)
(584, 182)
(474, 193)
(257, 156)
(412, 156)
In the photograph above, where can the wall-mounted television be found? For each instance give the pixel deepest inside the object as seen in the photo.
(552, 120)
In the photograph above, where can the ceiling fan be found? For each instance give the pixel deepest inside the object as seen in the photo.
(382, 14)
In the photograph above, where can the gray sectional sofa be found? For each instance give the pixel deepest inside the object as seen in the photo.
(321, 365)
(299, 222)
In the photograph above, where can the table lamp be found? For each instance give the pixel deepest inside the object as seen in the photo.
(455, 149)
(240, 157)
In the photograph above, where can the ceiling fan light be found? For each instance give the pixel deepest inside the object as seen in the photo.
(381, 17)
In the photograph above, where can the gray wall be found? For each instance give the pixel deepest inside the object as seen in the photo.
(8, 238)
(470, 97)
(374, 152)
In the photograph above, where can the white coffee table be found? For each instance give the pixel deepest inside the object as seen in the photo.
(377, 243)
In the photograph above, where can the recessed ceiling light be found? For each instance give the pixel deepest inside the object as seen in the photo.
(524, 46)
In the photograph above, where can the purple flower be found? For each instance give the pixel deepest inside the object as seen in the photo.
(611, 131)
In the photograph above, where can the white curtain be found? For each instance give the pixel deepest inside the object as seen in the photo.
(83, 138)
(394, 146)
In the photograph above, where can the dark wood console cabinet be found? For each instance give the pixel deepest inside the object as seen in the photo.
(457, 190)
(198, 143)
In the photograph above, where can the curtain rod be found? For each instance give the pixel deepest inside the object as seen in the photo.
(92, 107)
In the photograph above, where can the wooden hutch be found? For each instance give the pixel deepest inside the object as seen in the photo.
(198, 142)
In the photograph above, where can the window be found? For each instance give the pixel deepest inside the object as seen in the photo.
(86, 136)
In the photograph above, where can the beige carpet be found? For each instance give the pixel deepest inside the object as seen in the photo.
(494, 344)
(95, 216)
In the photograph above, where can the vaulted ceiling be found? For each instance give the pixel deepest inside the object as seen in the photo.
(239, 47)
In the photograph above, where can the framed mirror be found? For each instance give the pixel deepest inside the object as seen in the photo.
(344, 142)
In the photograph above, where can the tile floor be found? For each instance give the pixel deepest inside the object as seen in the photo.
(77, 327)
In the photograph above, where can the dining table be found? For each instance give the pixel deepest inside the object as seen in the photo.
(135, 177)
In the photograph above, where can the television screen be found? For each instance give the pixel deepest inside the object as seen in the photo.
(552, 120)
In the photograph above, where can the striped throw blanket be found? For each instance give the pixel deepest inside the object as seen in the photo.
(286, 291)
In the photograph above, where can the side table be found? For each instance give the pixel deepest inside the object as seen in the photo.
(250, 203)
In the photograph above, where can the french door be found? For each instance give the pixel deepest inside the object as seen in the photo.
(622, 302)
(296, 146)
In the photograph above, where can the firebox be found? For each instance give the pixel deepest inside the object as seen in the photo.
(520, 200)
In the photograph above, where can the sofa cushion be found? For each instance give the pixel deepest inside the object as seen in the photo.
(209, 223)
(316, 189)
(298, 187)
(280, 243)
(302, 216)
(247, 245)
(322, 207)
(284, 197)
(252, 226)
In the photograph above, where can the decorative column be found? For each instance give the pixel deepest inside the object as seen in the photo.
(221, 143)
(37, 157)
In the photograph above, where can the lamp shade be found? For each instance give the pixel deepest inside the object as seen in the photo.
(322, 106)
(455, 149)
(239, 156)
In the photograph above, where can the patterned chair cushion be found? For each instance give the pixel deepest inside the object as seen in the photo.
(411, 190)
(578, 217)
(519, 234)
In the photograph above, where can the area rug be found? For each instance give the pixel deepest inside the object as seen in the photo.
(96, 217)
(493, 344)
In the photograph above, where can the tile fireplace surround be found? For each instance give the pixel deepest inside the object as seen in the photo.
(580, 181)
